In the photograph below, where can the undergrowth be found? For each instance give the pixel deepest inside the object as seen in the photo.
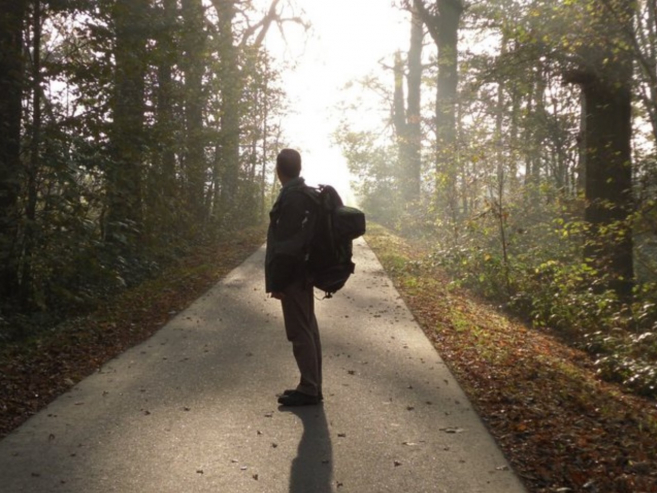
(542, 277)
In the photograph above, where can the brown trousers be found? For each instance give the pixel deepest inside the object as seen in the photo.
(302, 331)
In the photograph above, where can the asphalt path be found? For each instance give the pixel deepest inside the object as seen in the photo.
(193, 409)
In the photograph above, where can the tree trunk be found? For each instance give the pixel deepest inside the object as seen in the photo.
(413, 114)
(581, 141)
(165, 160)
(443, 27)
(606, 82)
(124, 177)
(400, 124)
(264, 156)
(33, 167)
(229, 139)
(608, 187)
(194, 41)
(11, 93)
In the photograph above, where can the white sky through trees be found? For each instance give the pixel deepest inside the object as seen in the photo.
(347, 41)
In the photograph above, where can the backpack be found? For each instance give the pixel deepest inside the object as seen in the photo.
(330, 249)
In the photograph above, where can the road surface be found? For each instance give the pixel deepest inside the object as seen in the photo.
(193, 409)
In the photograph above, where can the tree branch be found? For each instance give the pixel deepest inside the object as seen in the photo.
(430, 20)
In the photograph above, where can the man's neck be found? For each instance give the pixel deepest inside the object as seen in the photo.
(286, 181)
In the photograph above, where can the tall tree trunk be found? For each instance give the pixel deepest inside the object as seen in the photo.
(400, 123)
(514, 138)
(413, 114)
(162, 183)
(606, 83)
(407, 114)
(264, 155)
(535, 136)
(443, 25)
(581, 141)
(11, 93)
(231, 94)
(194, 42)
(124, 178)
(33, 166)
(608, 188)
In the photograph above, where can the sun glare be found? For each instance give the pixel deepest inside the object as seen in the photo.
(347, 41)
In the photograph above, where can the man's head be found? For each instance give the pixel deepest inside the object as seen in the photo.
(288, 165)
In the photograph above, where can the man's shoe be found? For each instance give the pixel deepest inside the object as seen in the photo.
(320, 396)
(298, 399)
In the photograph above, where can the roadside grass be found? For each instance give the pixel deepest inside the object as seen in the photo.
(36, 370)
(560, 426)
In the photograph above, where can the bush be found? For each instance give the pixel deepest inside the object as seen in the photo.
(545, 280)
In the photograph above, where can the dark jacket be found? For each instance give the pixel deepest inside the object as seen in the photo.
(292, 221)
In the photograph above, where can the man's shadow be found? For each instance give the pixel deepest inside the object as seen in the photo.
(312, 468)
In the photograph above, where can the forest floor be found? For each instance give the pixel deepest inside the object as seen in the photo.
(559, 425)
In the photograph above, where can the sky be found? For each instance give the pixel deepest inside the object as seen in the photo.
(346, 43)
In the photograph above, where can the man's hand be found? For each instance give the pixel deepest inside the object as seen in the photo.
(278, 295)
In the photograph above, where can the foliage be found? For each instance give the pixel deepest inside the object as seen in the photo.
(554, 290)
(125, 162)
(376, 168)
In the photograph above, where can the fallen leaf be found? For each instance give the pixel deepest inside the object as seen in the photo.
(452, 430)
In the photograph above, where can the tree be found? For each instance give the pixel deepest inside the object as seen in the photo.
(194, 62)
(163, 204)
(124, 176)
(442, 22)
(231, 95)
(32, 168)
(233, 59)
(604, 73)
(643, 39)
(407, 117)
(11, 93)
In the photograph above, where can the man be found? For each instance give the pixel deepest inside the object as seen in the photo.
(292, 220)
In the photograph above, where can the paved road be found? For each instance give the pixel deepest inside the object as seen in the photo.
(194, 408)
